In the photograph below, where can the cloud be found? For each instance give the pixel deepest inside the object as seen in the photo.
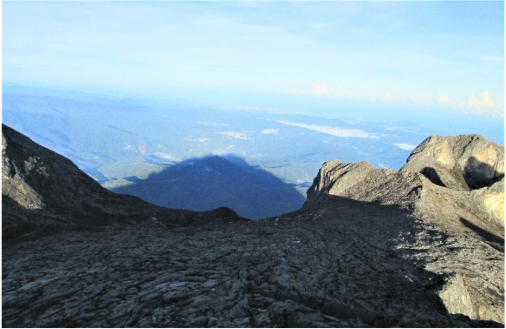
(487, 101)
(484, 105)
(473, 101)
(405, 146)
(334, 131)
(444, 99)
(234, 134)
(167, 156)
(270, 132)
(388, 97)
(200, 140)
(322, 89)
(401, 129)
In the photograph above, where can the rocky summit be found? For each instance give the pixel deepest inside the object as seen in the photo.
(419, 247)
(453, 188)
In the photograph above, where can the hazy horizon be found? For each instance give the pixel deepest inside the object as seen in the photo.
(436, 120)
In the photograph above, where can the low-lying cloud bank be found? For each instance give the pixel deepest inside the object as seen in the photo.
(334, 131)
(270, 132)
(405, 146)
(234, 134)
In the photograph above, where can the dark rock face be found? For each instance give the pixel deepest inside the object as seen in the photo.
(337, 262)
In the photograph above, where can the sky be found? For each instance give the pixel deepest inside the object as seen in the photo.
(430, 54)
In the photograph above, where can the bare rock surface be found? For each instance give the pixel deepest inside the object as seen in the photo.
(360, 259)
(308, 269)
(462, 162)
(467, 220)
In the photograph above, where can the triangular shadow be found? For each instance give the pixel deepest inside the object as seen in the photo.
(215, 181)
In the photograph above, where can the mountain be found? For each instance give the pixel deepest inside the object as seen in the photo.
(213, 181)
(369, 248)
(44, 191)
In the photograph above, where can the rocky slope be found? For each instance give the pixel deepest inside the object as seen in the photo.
(43, 192)
(453, 186)
(365, 250)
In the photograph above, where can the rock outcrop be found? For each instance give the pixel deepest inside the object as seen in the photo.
(41, 189)
(370, 248)
(454, 186)
(363, 182)
(463, 162)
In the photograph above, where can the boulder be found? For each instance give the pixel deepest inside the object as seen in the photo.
(463, 162)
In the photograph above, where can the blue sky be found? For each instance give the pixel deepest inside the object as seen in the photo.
(431, 54)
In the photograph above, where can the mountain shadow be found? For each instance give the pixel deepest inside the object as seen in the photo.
(213, 181)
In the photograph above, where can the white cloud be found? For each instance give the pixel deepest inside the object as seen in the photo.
(234, 134)
(484, 106)
(322, 89)
(405, 146)
(473, 101)
(167, 156)
(270, 132)
(200, 140)
(444, 99)
(388, 97)
(487, 101)
(401, 129)
(334, 131)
